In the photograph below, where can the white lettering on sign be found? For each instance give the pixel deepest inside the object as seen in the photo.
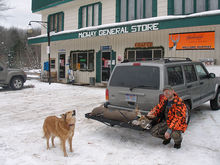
(113, 31)
(144, 27)
(87, 34)
(120, 30)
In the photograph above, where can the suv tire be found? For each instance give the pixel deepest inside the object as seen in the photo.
(215, 103)
(188, 112)
(16, 83)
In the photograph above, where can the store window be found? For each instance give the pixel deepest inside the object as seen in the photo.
(149, 8)
(214, 4)
(182, 7)
(90, 15)
(52, 63)
(189, 6)
(178, 7)
(143, 54)
(56, 22)
(82, 60)
(201, 5)
(136, 9)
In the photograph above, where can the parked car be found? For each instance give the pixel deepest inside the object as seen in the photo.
(11, 78)
(141, 84)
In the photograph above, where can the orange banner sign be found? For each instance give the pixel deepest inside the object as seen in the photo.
(192, 41)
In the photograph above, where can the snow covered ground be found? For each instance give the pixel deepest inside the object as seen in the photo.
(22, 114)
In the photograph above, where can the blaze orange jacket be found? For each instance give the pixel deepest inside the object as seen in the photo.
(176, 117)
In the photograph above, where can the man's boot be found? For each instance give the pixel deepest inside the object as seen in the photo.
(177, 146)
(166, 141)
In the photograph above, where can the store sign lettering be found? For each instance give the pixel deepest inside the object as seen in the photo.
(120, 30)
(113, 31)
(87, 34)
(145, 27)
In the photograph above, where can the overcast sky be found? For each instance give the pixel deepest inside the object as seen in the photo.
(20, 14)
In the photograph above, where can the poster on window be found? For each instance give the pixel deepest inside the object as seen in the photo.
(62, 62)
(192, 41)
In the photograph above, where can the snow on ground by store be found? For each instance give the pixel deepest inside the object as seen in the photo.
(22, 114)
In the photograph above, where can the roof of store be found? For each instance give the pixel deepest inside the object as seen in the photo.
(148, 24)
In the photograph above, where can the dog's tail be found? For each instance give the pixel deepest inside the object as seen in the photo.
(44, 131)
(43, 137)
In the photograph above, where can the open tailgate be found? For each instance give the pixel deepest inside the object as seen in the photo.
(110, 122)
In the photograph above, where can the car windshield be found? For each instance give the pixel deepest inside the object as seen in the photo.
(136, 77)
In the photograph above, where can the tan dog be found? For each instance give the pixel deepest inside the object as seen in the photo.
(60, 127)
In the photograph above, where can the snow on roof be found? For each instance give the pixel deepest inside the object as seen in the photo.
(145, 20)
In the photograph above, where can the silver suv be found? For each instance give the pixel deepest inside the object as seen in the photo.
(141, 83)
(11, 78)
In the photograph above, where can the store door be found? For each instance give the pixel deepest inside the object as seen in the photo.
(105, 66)
(62, 70)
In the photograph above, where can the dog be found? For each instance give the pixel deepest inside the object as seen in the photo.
(60, 127)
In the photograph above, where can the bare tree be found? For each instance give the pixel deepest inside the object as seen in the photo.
(3, 7)
(15, 50)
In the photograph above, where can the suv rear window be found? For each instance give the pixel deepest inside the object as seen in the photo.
(136, 76)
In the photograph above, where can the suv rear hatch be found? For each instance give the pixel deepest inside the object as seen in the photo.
(134, 84)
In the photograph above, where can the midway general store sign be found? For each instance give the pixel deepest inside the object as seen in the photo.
(119, 30)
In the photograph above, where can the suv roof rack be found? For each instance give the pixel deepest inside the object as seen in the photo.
(165, 59)
(176, 59)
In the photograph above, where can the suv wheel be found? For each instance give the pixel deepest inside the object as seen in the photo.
(188, 113)
(215, 103)
(17, 83)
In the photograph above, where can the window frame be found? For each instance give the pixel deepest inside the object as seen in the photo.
(87, 60)
(153, 49)
(52, 17)
(53, 65)
(118, 10)
(181, 69)
(80, 23)
(193, 66)
(171, 7)
(207, 73)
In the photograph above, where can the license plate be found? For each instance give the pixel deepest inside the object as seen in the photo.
(130, 98)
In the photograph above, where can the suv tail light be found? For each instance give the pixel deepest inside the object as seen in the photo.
(137, 64)
(106, 95)
(161, 97)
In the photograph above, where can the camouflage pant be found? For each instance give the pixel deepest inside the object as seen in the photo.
(159, 130)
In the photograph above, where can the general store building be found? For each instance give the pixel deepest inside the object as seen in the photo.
(91, 36)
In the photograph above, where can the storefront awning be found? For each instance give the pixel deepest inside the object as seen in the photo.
(142, 25)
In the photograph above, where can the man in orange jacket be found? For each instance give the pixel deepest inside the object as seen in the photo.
(171, 112)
